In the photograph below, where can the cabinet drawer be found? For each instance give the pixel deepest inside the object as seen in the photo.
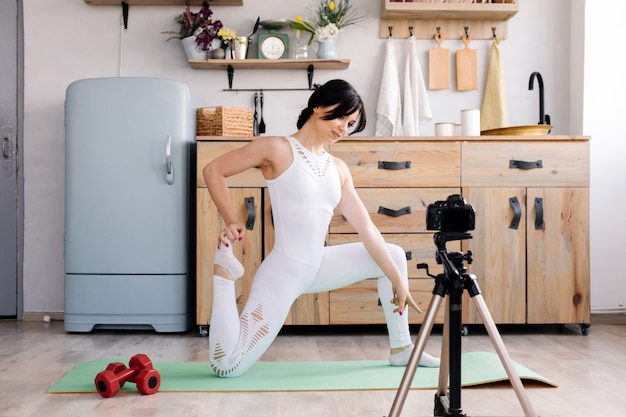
(525, 163)
(208, 151)
(419, 247)
(401, 164)
(394, 210)
(358, 303)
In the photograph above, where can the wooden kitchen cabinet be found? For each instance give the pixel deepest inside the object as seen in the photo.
(531, 241)
(527, 275)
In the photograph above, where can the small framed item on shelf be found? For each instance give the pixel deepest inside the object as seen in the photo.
(273, 45)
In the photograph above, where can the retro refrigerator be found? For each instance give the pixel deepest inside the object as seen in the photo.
(127, 264)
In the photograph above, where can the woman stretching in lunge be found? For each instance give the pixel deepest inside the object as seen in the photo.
(305, 185)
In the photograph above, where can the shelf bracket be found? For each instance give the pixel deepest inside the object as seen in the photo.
(309, 72)
(125, 14)
(230, 71)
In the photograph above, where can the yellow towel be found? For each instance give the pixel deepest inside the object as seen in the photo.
(494, 113)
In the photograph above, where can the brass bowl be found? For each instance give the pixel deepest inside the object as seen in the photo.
(518, 130)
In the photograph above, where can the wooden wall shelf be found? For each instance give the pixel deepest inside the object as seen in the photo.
(269, 64)
(452, 17)
(231, 64)
(448, 10)
(166, 2)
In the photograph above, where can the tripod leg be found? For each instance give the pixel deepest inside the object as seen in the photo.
(444, 368)
(411, 367)
(496, 339)
(442, 402)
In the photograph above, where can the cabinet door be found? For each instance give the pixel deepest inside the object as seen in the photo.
(558, 255)
(248, 251)
(499, 253)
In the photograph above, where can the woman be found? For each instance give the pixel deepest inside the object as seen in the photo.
(305, 185)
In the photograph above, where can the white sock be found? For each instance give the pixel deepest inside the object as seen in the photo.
(225, 258)
(402, 359)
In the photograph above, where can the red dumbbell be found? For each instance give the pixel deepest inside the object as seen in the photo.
(140, 372)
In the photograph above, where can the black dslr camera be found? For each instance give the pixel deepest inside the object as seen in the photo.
(452, 215)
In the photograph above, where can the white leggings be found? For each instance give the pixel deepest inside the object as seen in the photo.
(235, 343)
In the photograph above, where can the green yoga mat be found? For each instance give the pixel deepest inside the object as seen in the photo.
(477, 368)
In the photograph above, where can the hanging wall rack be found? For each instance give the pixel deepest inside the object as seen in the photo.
(451, 15)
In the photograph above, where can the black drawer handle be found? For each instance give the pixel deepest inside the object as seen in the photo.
(517, 212)
(394, 213)
(251, 213)
(538, 213)
(525, 164)
(394, 165)
(409, 255)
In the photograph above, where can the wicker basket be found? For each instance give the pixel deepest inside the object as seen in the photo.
(223, 121)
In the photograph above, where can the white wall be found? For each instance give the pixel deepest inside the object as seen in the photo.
(66, 40)
(604, 118)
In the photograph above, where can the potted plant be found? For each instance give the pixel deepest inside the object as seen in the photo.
(197, 31)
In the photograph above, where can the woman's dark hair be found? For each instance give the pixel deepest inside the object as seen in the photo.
(330, 94)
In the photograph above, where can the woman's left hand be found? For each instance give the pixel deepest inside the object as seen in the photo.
(402, 298)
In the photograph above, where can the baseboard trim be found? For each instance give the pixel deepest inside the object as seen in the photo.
(596, 317)
(39, 315)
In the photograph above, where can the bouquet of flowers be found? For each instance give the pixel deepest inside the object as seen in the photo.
(198, 24)
(327, 19)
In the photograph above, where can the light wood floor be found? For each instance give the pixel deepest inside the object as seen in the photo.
(591, 372)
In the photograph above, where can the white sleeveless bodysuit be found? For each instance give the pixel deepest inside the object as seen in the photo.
(303, 199)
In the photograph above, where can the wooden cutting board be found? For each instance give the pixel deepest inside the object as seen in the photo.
(438, 65)
(466, 67)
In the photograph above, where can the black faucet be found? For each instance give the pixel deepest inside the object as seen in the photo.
(543, 118)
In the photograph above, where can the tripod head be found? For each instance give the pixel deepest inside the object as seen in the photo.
(452, 262)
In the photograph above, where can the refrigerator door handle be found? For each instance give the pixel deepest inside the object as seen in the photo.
(169, 169)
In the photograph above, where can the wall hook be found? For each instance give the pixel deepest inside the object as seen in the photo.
(410, 30)
(390, 31)
(493, 29)
(466, 31)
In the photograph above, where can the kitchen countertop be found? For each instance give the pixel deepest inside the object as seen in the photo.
(424, 138)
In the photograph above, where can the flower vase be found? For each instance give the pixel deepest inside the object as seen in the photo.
(239, 47)
(192, 50)
(327, 49)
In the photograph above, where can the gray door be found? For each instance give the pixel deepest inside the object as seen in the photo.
(9, 190)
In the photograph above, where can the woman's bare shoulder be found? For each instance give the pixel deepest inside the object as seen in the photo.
(269, 144)
(275, 152)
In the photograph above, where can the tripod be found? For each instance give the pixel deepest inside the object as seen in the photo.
(453, 282)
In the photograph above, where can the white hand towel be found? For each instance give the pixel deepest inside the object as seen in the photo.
(494, 113)
(416, 109)
(389, 107)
